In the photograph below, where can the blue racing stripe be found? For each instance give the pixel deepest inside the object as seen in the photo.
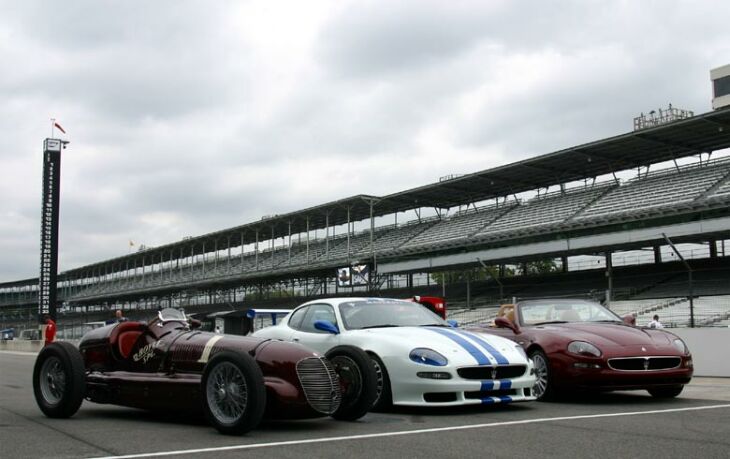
(504, 384)
(500, 399)
(470, 348)
(495, 353)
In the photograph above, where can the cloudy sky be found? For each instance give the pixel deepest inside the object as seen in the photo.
(190, 117)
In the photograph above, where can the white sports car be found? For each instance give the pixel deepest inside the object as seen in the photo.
(420, 359)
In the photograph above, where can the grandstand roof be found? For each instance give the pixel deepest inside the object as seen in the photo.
(700, 134)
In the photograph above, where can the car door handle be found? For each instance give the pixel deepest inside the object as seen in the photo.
(295, 339)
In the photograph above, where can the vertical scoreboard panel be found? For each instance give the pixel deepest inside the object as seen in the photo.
(49, 228)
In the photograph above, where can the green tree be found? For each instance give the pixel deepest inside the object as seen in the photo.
(540, 267)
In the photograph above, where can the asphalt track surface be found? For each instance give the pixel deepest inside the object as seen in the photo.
(625, 424)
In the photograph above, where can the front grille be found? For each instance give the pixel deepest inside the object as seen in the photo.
(480, 394)
(320, 383)
(485, 372)
(644, 363)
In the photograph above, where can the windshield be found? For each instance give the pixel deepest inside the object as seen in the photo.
(375, 313)
(170, 314)
(564, 311)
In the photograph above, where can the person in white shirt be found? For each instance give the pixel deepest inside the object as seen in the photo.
(655, 322)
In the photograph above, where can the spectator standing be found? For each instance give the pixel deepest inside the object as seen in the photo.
(655, 322)
(50, 332)
(119, 316)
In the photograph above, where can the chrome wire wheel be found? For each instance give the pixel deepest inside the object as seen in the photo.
(379, 380)
(351, 381)
(52, 380)
(542, 374)
(59, 380)
(227, 393)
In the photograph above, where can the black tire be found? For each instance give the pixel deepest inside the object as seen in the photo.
(357, 381)
(665, 392)
(233, 393)
(544, 388)
(384, 396)
(59, 380)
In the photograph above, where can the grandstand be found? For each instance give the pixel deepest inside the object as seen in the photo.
(566, 204)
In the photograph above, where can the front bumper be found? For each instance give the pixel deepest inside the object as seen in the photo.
(409, 389)
(596, 374)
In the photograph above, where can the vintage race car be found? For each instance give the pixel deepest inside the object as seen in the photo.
(579, 344)
(420, 358)
(168, 364)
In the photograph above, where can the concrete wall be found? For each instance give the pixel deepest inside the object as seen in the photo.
(24, 345)
(708, 347)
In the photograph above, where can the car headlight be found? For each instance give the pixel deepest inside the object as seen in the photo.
(427, 356)
(582, 347)
(680, 346)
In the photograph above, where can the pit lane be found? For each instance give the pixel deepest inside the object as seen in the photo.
(610, 425)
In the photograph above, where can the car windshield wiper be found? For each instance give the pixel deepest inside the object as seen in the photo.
(552, 322)
(609, 321)
(380, 326)
(435, 325)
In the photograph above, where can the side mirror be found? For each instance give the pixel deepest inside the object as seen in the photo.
(453, 323)
(501, 322)
(629, 319)
(326, 325)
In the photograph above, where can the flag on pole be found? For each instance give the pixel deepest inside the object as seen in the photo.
(59, 127)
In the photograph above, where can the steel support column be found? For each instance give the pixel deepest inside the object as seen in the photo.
(289, 257)
(609, 276)
(229, 255)
(327, 235)
(348, 235)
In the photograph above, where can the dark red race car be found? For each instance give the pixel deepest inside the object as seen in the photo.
(167, 364)
(579, 344)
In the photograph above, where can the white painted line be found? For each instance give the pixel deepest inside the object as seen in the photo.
(406, 432)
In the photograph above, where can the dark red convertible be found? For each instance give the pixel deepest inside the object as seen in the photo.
(168, 364)
(579, 344)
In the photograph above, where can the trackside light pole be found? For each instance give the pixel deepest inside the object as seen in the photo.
(689, 272)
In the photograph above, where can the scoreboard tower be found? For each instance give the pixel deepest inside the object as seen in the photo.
(49, 227)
